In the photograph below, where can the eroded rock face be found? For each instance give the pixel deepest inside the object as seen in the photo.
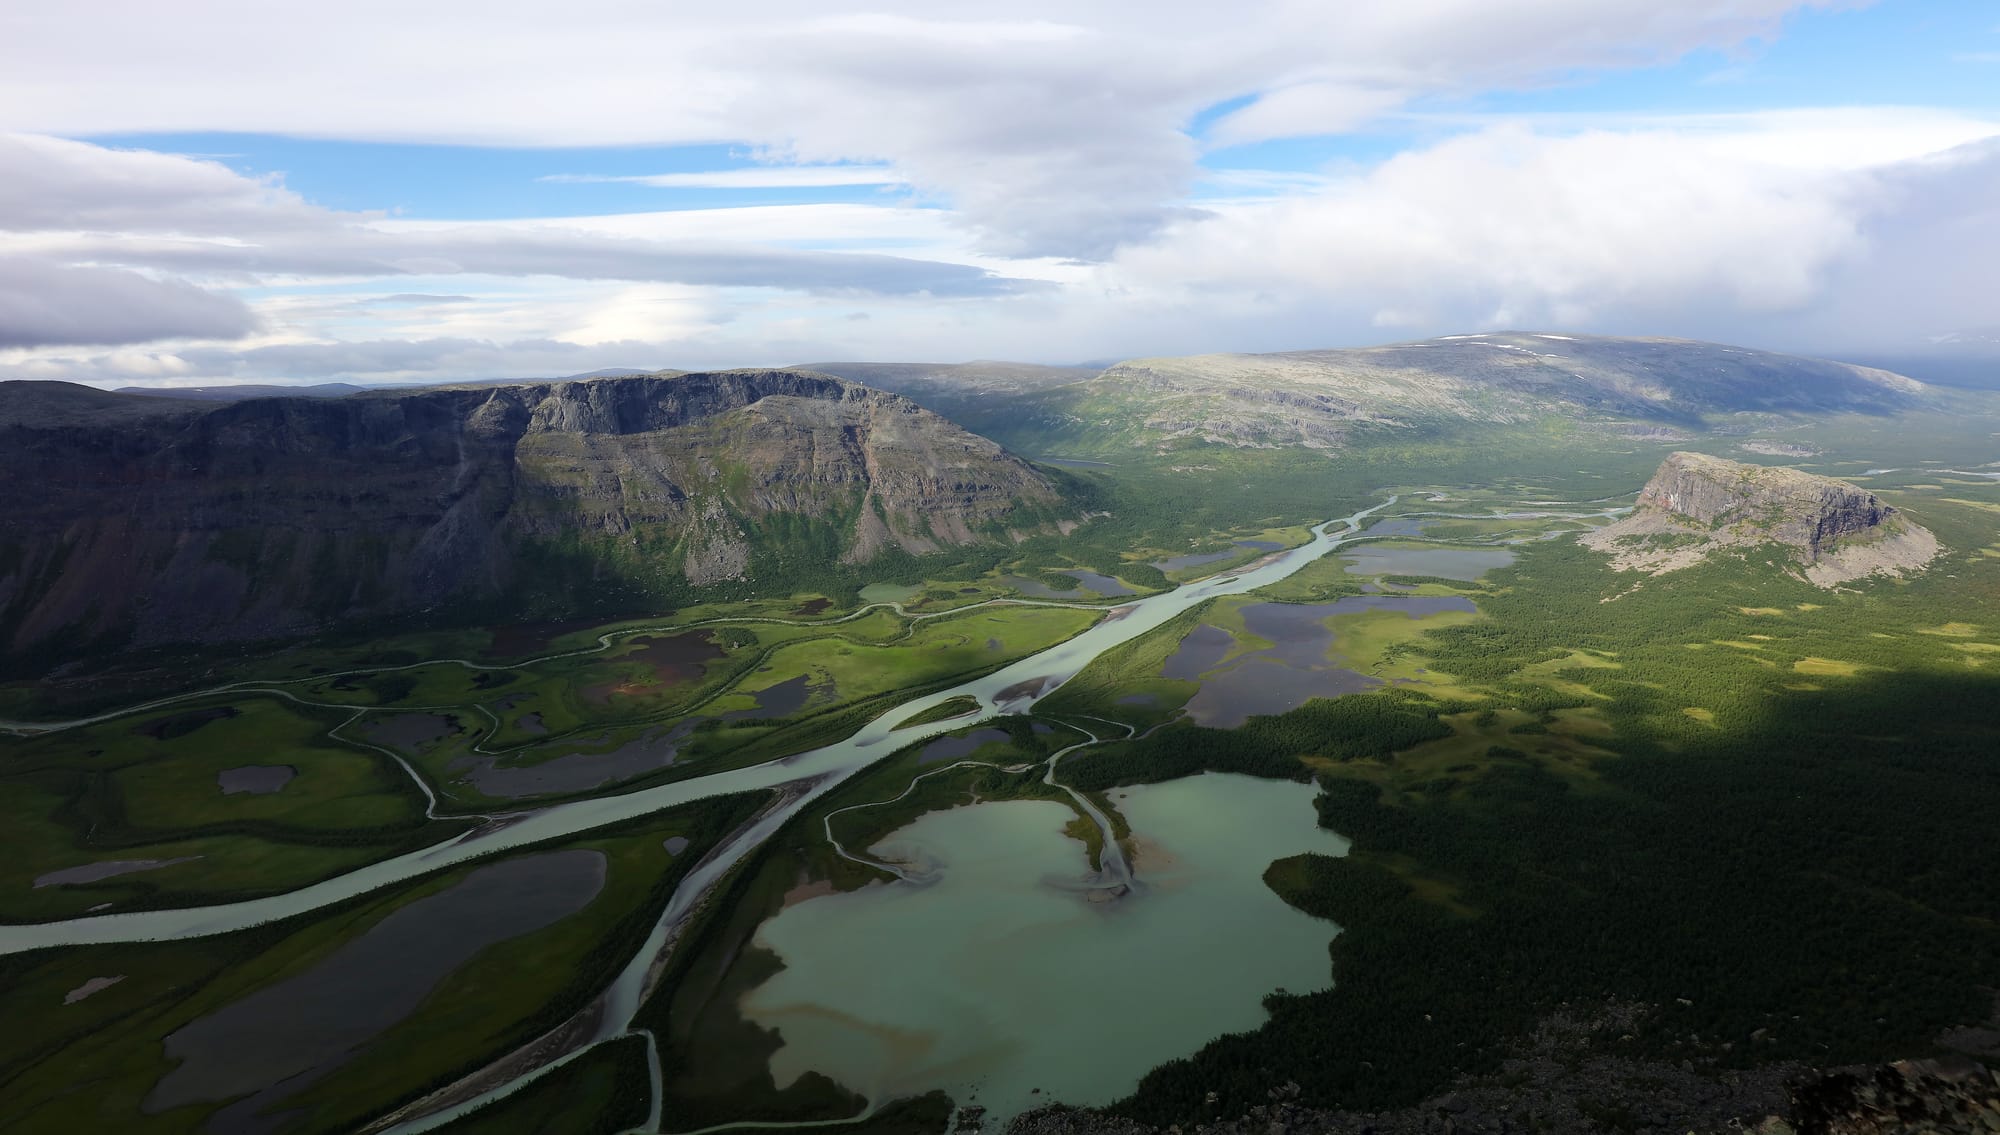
(146, 520)
(1799, 509)
(1696, 504)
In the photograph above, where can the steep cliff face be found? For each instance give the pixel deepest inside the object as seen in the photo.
(1696, 504)
(1797, 509)
(142, 520)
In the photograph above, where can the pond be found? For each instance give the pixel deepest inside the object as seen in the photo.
(1088, 582)
(257, 780)
(952, 748)
(1001, 977)
(105, 869)
(652, 750)
(1465, 564)
(888, 592)
(256, 1047)
(409, 732)
(1294, 669)
(525, 773)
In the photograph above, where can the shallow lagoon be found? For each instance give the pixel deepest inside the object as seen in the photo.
(1294, 669)
(1002, 976)
(1088, 583)
(1466, 564)
(276, 1041)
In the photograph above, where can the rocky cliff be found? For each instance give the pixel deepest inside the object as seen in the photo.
(1696, 504)
(127, 519)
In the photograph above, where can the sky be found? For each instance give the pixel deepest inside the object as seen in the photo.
(264, 190)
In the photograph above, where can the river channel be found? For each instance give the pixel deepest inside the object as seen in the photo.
(802, 778)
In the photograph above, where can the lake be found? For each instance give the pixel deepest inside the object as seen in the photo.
(1002, 977)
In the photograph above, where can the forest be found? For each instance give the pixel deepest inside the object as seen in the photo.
(1804, 870)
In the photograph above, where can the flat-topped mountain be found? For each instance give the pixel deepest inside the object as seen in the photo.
(1696, 504)
(964, 392)
(130, 518)
(1319, 398)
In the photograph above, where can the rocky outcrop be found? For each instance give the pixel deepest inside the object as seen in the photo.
(1696, 504)
(128, 519)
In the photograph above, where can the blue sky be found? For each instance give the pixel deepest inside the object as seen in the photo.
(1894, 54)
(1046, 181)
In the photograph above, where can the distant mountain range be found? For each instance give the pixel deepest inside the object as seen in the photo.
(244, 512)
(1969, 359)
(237, 393)
(1320, 399)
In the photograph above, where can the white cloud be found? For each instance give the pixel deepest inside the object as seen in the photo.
(1042, 205)
(1756, 230)
(1053, 128)
(45, 303)
(1679, 229)
(754, 177)
(1308, 108)
(1814, 138)
(118, 239)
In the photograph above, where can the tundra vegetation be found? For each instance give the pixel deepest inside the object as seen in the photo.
(1756, 806)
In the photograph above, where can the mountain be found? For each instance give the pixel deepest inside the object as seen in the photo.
(1696, 505)
(238, 392)
(135, 519)
(1968, 358)
(1319, 399)
(964, 392)
(247, 390)
(613, 372)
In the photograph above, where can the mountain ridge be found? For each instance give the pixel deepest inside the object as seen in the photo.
(1319, 399)
(148, 520)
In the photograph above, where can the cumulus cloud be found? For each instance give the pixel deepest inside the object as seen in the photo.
(43, 303)
(1931, 265)
(1053, 128)
(107, 211)
(1710, 229)
(1510, 226)
(1040, 160)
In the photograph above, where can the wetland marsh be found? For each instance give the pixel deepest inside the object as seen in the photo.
(903, 735)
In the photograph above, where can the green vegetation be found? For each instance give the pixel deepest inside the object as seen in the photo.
(143, 786)
(1591, 815)
(942, 711)
(92, 1064)
(602, 1092)
(146, 788)
(1754, 805)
